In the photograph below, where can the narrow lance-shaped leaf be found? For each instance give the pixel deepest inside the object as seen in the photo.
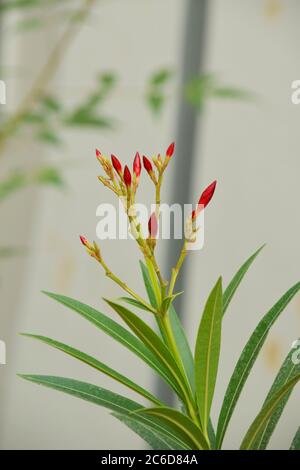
(181, 424)
(266, 412)
(289, 369)
(153, 342)
(237, 279)
(152, 298)
(135, 303)
(247, 359)
(183, 346)
(154, 439)
(177, 328)
(103, 397)
(211, 434)
(154, 282)
(91, 361)
(114, 330)
(148, 285)
(207, 352)
(296, 441)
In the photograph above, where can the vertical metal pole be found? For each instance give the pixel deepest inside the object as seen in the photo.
(187, 127)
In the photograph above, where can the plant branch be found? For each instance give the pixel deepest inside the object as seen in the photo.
(176, 269)
(46, 74)
(123, 285)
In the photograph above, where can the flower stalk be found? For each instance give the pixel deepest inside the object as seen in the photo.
(94, 251)
(125, 187)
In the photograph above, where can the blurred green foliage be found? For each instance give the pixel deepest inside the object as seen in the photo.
(10, 251)
(8, 5)
(18, 179)
(200, 90)
(157, 89)
(48, 116)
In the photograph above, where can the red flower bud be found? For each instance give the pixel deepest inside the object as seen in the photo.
(98, 153)
(127, 176)
(170, 150)
(116, 164)
(147, 164)
(207, 194)
(153, 226)
(137, 165)
(84, 241)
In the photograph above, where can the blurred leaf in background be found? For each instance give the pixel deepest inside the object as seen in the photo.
(18, 179)
(50, 115)
(13, 182)
(156, 93)
(50, 176)
(88, 113)
(10, 251)
(200, 89)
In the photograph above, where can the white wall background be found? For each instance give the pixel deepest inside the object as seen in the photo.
(253, 151)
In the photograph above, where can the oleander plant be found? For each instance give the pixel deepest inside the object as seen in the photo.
(165, 349)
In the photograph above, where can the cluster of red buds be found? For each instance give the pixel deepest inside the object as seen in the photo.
(124, 184)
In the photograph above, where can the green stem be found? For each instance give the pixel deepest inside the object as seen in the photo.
(123, 285)
(175, 271)
(188, 394)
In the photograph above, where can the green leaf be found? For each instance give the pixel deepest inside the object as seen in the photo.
(167, 302)
(49, 175)
(12, 4)
(161, 77)
(237, 279)
(88, 120)
(10, 251)
(207, 352)
(91, 361)
(48, 136)
(152, 298)
(34, 118)
(148, 285)
(211, 434)
(181, 424)
(14, 182)
(231, 93)
(247, 359)
(85, 391)
(114, 330)
(135, 303)
(154, 438)
(266, 412)
(102, 397)
(87, 113)
(288, 370)
(51, 103)
(198, 89)
(153, 343)
(183, 347)
(156, 95)
(29, 24)
(155, 100)
(107, 80)
(296, 441)
(154, 282)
